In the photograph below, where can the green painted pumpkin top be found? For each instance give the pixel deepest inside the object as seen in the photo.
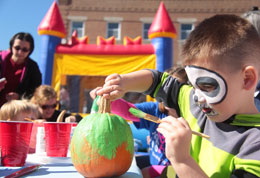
(104, 132)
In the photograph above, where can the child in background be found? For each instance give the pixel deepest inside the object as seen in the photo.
(18, 110)
(221, 59)
(45, 97)
(22, 110)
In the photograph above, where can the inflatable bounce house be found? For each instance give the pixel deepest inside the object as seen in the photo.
(77, 67)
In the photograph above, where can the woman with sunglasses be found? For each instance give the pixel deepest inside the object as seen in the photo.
(19, 74)
(45, 97)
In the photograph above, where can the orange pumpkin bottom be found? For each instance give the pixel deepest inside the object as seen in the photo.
(103, 167)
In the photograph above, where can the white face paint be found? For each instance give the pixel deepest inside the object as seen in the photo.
(208, 84)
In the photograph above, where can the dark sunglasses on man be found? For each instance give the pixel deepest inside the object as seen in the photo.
(18, 48)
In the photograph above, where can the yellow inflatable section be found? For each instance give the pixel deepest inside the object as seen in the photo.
(69, 64)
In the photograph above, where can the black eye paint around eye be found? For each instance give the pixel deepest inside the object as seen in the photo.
(207, 84)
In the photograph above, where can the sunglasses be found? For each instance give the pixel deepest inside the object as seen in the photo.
(17, 48)
(49, 106)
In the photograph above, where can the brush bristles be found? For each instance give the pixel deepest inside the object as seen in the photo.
(137, 113)
(141, 114)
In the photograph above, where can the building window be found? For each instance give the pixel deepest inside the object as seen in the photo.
(113, 29)
(77, 23)
(185, 31)
(146, 27)
(79, 26)
(186, 26)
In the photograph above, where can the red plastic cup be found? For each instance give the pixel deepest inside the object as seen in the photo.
(14, 142)
(57, 138)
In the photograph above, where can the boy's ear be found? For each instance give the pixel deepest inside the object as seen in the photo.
(250, 77)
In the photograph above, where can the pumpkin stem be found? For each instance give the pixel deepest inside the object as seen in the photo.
(104, 106)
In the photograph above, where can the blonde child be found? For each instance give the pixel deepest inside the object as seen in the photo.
(18, 110)
(22, 110)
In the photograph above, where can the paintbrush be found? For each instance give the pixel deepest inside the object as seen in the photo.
(61, 116)
(140, 114)
(23, 171)
(28, 119)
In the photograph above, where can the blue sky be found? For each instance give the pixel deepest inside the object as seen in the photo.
(22, 15)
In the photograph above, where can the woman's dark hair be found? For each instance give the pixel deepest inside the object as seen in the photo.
(24, 37)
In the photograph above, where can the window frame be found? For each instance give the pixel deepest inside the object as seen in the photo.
(146, 20)
(82, 29)
(81, 19)
(144, 31)
(187, 32)
(186, 21)
(117, 20)
(117, 30)
(182, 41)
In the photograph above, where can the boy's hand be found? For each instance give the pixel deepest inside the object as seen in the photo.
(93, 93)
(177, 135)
(70, 119)
(112, 88)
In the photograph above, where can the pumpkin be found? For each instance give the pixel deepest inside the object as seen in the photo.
(102, 144)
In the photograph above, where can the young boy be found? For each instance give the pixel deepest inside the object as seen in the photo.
(18, 110)
(221, 59)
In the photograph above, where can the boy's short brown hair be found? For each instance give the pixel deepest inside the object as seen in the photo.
(223, 40)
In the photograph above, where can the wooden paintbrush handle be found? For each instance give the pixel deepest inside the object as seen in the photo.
(28, 119)
(200, 134)
(61, 115)
(149, 117)
(158, 121)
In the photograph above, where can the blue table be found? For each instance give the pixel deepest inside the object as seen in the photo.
(52, 167)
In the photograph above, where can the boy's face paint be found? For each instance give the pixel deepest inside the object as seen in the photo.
(209, 85)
